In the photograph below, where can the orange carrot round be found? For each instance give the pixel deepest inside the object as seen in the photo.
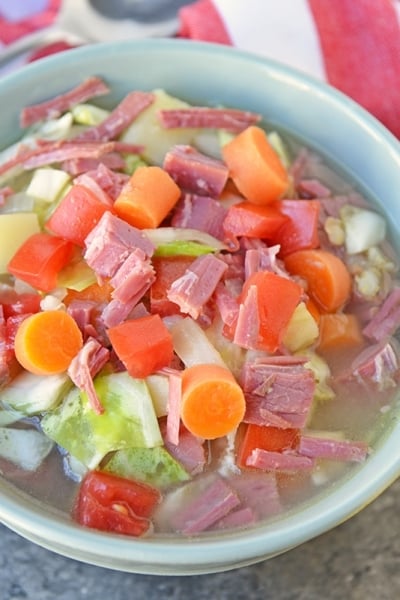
(213, 403)
(147, 198)
(255, 167)
(46, 342)
(328, 279)
(339, 331)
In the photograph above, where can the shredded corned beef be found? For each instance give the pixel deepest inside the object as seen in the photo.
(214, 503)
(258, 414)
(191, 291)
(190, 452)
(386, 319)
(312, 188)
(258, 491)
(378, 364)
(119, 119)
(103, 177)
(90, 88)
(216, 118)
(83, 368)
(247, 325)
(77, 166)
(285, 387)
(200, 212)
(263, 259)
(317, 447)
(174, 406)
(278, 461)
(110, 242)
(196, 172)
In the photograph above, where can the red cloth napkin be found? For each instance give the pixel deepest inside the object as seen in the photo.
(358, 42)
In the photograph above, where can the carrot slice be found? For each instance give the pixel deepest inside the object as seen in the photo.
(255, 167)
(213, 402)
(147, 198)
(339, 331)
(46, 342)
(328, 279)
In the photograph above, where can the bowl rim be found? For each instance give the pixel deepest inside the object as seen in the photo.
(205, 555)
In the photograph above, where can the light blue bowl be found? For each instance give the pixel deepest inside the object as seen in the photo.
(328, 121)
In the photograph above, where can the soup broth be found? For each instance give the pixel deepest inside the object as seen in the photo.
(317, 392)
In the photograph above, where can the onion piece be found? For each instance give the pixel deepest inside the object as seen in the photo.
(165, 235)
(26, 448)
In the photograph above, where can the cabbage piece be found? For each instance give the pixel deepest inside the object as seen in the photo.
(147, 130)
(363, 228)
(32, 394)
(183, 248)
(88, 114)
(76, 276)
(128, 421)
(159, 388)
(26, 448)
(302, 329)
(154, 466)
(191, 343)
(47, 184)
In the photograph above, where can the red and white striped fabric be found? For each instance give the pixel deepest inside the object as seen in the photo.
(352, 44)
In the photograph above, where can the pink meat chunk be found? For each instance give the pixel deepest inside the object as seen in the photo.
(90, 88)
(85, 366)
(278, 461)
(200, 212)
(211, 505)
(344, 450)
(283, 384)
(233, 120)
(196, 172)
(196, 286)
(119, 119)
(387, 318)
(111, 242)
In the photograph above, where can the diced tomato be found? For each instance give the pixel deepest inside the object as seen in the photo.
(253, 221)
(300, 231)
(167, 269)
(273, 439)
(277, 297)
(144, 345)
(19, 304)
(111, 503)
(76, 215)
(39, 260)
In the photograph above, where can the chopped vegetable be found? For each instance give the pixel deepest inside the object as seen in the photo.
(253, 220)
(147, 197)
(213, 403)
(110, 503)
(26, 448)
(255, 167)
(34, 394)
(277, 298)
(76, 215)
(15, 229)
(273, 439)
(128, 420)
(151, 350)
(46, 342)
(339, 331)
(154, 466)
(328, 279)
(39, 260)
